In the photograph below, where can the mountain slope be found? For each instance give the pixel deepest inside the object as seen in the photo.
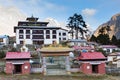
(114, 24)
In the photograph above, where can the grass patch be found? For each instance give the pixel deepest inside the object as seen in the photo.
(78, 76)
(114, 74)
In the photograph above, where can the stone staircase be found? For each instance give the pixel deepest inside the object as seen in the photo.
(56, 69)
(56, 72)
(55, 66)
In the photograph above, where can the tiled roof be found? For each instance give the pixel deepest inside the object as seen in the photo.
(83, 47)
(17, 55)
(109, 46)
(91, 56)
(56, 49)
(114, 54)
(77, 40)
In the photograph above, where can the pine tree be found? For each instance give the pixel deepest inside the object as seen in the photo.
(93, 38)
(114, 40)
(77, 24)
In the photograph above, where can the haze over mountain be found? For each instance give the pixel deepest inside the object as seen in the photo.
(114, 24)
(9, 17)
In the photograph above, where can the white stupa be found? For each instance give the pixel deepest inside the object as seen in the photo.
(24, 48)
(71, 54)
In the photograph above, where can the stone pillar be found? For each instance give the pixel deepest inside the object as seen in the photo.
(68, 65)
(44, 65)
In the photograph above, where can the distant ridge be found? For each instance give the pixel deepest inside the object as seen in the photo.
(114, 24)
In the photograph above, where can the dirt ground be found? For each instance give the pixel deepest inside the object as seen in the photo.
(64, 77)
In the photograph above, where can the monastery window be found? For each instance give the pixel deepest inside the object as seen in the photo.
(54, 36)
(27, 31)
(37, 32)
(60, 39)
(64, 38)
(20, 31)
(47, 36)
(47, 31)
(108, 50)
(59, 34)
(54, 32)
(20, 36)
(64, 34)
(21, 42)
(27, 36)
(37, 37)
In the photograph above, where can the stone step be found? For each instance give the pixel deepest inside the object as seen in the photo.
(55, 66)
(56, 72)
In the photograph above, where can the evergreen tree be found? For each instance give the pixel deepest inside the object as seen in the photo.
(103, 39)
(114, 40)
(118, 42)
(76, 23)
(93, 38)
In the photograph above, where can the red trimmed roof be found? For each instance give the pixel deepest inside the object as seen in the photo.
(17, 55)
(83, 47)
(91, 56)
(109, 46)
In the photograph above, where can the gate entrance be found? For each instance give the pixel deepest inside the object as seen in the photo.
(55, 65)
(18, 69)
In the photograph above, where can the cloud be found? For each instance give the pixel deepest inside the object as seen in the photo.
(54, 7)
(9, 17)
(12, 11)
(89, 17)
(36, 7)
(89, 12)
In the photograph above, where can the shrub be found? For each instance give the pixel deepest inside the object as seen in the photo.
(2, 54)
(101, 50)
(13, 50)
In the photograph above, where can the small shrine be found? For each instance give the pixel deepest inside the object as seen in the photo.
(17, 62)
(92, 62)
(55, 59)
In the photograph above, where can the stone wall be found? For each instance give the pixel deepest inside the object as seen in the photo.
(112, 70)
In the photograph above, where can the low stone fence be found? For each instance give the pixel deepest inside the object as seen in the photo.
(36, 70)
(112, 70)
(2, 68)
(75, 70)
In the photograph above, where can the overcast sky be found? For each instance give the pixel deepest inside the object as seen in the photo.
(94, 12)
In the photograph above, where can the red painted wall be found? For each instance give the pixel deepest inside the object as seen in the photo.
(101, 68)
(9, 68)
(86, 68)
(26, 68)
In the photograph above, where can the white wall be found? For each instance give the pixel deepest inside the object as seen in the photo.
(5, 41)
(17, 37)
(110, 58)
(46, 41)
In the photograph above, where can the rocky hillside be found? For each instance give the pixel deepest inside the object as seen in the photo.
(114, 24)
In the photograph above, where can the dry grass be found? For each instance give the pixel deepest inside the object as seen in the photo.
(66, 77)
